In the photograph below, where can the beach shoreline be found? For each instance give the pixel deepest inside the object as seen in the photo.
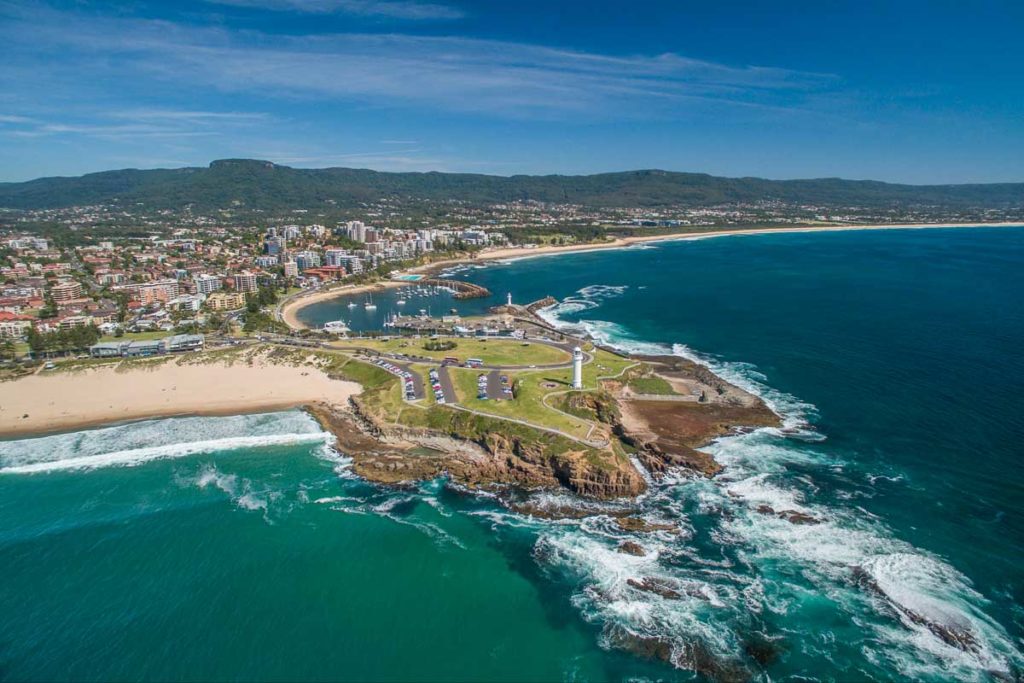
(110, 394)
(289, 309)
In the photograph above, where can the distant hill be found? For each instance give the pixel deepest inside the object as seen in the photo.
(267, 186)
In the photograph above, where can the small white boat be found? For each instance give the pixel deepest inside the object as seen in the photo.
(369, 305)
(400, 302)
(351, 304)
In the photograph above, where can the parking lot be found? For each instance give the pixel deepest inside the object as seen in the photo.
(412, 383)
(447, 389)
(493, 386)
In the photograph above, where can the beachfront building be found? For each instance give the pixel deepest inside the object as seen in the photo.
(184, 342)
(143, 348)
(291, 269)
(148, 347)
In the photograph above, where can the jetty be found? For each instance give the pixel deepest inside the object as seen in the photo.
(463, 290)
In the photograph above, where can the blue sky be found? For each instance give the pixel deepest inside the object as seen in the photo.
(920, 92)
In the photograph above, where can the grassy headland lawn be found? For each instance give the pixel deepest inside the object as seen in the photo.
(651, 385)
(532, 388)
(491, 352)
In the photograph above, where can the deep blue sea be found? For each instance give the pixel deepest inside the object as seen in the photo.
(894, 356)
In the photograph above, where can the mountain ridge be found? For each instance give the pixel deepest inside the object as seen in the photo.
(259, 184)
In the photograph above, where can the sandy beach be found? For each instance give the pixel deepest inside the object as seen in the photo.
(623, 242)
(291, 307)
(52, 401)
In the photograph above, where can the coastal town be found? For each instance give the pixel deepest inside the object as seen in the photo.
(76, 276)
(133, 292)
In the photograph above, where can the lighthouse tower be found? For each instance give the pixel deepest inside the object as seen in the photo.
(577, 368)
(509, 300)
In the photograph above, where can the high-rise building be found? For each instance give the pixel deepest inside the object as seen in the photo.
(205, 284)
(245, 282)
(69, 290)
(307, 259)
(333, 257)
(276, 245)
(356, 231)
(291, 269)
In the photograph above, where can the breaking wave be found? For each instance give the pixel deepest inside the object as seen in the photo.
(755, 543)
(140, 442)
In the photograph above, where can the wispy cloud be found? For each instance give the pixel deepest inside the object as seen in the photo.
(501, 78)
(391, 9)
(10, 118)
(188, 116)
(133, 124)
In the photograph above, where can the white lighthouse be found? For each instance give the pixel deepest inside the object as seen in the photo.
(509, 298)
(577, 368)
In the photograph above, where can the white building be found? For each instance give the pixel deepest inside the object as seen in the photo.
(577, 368)
(206, 284)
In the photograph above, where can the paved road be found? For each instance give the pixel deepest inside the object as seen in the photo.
(447, 387)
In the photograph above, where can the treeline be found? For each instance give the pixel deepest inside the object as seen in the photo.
(263, 296)
(77, 338)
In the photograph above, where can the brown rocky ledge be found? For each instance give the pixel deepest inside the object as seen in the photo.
(473, 457)
(668, 432)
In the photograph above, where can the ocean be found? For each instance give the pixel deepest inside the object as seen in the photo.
(239, 548)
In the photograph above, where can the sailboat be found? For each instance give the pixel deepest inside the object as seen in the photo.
(351, 304)
(369, 305)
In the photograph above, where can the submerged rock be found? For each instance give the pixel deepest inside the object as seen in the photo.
(791, 516)
(691, 655)
(959, 636)
(631, 548)
(642, 525)
(655, 586)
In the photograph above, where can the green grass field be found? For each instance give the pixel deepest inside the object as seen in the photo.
(136, 336)
(491, 352)
(527, 405)
(651, 385)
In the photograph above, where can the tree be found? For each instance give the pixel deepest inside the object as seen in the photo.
(36, 342)
(7, 350)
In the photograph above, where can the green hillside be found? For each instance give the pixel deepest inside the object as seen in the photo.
(263, 185)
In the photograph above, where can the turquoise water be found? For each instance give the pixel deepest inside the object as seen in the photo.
(253, 553)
